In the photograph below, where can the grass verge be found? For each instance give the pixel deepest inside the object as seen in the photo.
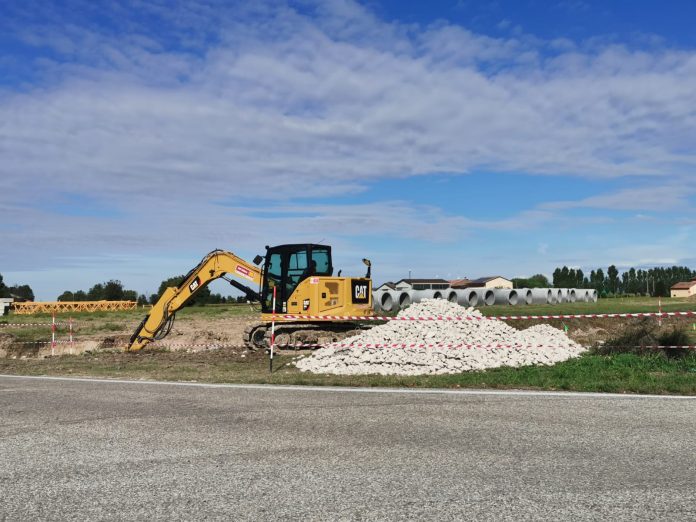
(618, 373)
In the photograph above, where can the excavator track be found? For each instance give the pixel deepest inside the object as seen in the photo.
(290, 336)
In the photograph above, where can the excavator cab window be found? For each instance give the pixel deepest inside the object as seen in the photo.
(287, 266)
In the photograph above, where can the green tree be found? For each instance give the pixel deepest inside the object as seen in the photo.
(613, 278)
(536, 281)
(201, 296)
(23, 291)
(112, 290)
(4, 292)
(96, 293)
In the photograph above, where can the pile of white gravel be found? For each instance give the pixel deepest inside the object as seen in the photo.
(539, 344)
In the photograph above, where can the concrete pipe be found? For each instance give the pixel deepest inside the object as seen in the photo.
(524, 296)
(388, 301)
(418, 295)
(375, 302)
(457, 296)
(504, 296)
(587, 295)
(594, 296)
(405, 299)
(558, 295)
(542, 296)
(473, 297)
(488, 296)
(572, 295)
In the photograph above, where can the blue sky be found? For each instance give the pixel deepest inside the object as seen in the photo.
(448, 138)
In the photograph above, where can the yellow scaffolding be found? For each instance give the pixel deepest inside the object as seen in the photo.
(49, 307)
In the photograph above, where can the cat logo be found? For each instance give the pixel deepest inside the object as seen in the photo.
(193, 286)
(305, 305)
(361, 289)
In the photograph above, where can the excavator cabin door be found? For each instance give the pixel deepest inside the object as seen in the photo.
(288, 265)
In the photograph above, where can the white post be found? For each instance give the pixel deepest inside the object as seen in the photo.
(53, 335)
(273, 330)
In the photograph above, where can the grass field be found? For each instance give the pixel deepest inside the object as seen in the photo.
(603, 306)
(624, 373)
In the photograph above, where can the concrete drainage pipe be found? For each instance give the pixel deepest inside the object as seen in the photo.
(572, 295)
(405, 299)
(418, 295)
(472, 296)
(594, 296)
(502, 296)
(524, 296)
(542, 296)
(459, 297)
(388, 301)
(488, 297)
(375, 302)
(559, 297)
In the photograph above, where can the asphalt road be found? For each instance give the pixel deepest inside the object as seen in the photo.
(108, 450)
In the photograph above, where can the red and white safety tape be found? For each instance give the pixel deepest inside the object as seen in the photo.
(43, 342)
(215, 346)
(480, 318)
(19, 325)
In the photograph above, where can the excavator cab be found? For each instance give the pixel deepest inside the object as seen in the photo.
(287, 266)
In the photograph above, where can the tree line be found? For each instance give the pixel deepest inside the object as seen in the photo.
(113, 290)
(655, 282)
(22, 291)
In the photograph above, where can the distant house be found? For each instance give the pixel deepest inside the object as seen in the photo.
(483, 282)
(5, 303)
(684, 289)
(385, 286)
(422, 284)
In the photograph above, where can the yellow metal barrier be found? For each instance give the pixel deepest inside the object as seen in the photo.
(48, 307)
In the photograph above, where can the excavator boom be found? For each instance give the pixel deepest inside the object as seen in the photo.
(216, 264)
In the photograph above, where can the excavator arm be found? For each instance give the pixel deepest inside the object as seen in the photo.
(216, 264)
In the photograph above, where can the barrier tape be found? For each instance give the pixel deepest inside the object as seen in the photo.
(483, 318)
(455, 345)
(500, 346)
(42, 342)
(13, 325)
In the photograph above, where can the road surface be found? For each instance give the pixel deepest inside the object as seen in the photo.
(114, 450)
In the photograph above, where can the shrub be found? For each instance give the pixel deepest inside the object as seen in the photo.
(642, 337)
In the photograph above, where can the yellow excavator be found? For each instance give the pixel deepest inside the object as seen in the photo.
(302, 276)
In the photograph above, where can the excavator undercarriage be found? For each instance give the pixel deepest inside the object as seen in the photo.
(289, 336)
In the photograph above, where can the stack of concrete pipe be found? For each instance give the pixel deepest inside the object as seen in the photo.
(395, 300)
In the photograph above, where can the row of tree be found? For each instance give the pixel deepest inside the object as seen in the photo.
(21, 291)
(113, 290)
(655, 282)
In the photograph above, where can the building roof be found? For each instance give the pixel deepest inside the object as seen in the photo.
(389, 284)
(423, 281)
(459, 283)
(488, 278)
(684, 285)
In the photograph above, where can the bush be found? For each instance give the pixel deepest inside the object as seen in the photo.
(641, 338)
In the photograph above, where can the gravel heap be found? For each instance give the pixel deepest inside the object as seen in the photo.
(539, 344)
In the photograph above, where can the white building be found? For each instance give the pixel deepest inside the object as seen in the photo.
(5, 303)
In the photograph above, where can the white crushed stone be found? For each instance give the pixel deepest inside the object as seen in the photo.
(539, 344)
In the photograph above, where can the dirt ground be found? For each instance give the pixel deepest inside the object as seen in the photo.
(190, 334)
(202, 332)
